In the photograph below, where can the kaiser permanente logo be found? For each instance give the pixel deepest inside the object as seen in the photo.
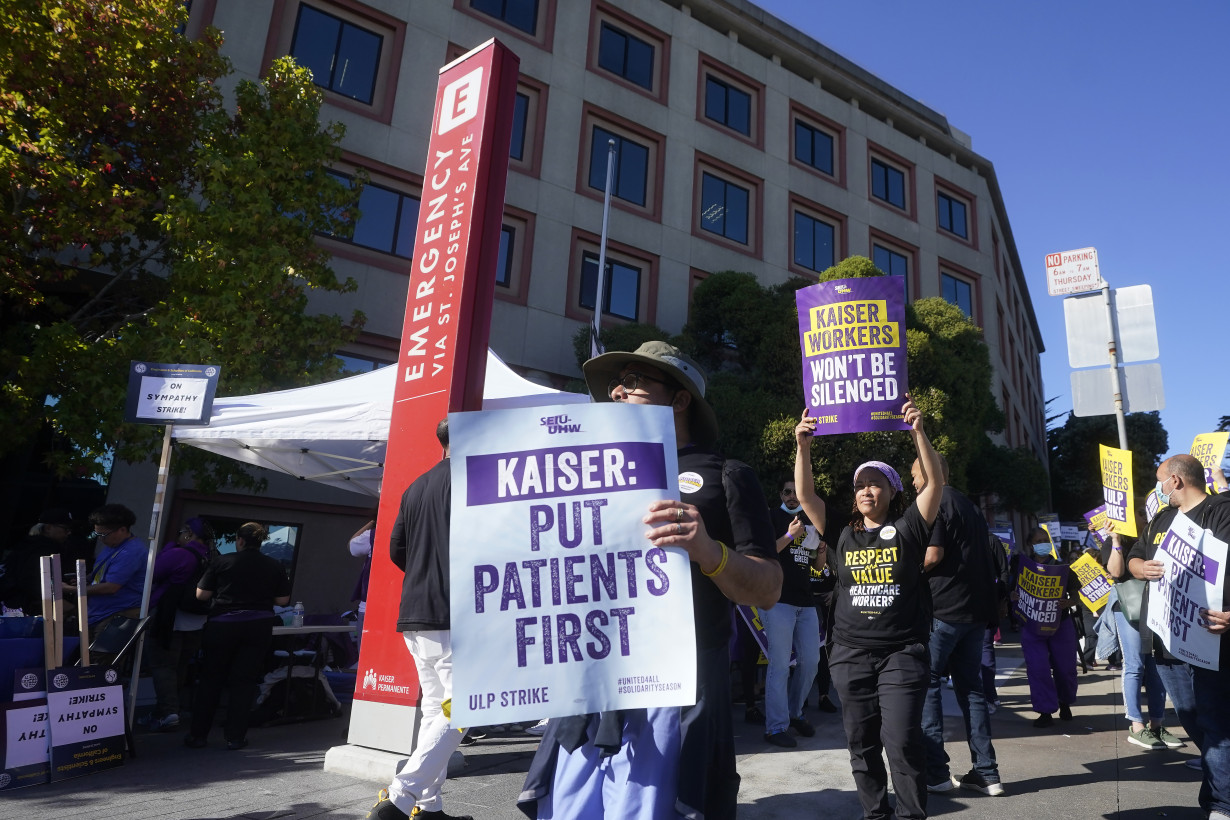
(460, 101)
(559, 424)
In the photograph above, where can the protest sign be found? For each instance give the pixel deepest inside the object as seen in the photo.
(1049, 522)
(1193, 576)
(1039, 587)
(86, 713)
(1209, 449)
(1153, 504)
(27, 746)
(29, 684)
(170, 393)
(852, 336)
(1117, 488)
(1005, 532)
(1097, 522)
(567, 608)
(1095, 582)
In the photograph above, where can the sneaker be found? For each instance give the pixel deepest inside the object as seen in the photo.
(1145, 739)
(801, 726)
(1114, 667)
(1043, 720)
(942, 786)
(753, 715)
(385, 810)
(826, 705)
(1194, 763)
(782, 739)
(538, 728)
(976, 782)
(1065, 711)
(438, 814)
(1166, 737)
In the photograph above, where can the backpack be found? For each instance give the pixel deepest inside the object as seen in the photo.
(185, 594)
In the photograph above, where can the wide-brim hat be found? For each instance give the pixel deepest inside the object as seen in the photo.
(601, 370)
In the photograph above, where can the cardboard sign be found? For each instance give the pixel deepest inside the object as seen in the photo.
(1096, 582)
(1193, 576)
(566, 611)
(1210, 450)
(27, 744)
(852, 336)
(1117, 488)
(1039, 588)
(170, 393)
(86, 706)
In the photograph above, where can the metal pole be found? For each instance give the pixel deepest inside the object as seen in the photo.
(595, 346)
(1116, 385)
(155, 537)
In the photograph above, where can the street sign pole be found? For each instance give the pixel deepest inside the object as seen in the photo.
(1116, 385)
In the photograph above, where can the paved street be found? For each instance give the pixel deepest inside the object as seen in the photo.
(1082, 769)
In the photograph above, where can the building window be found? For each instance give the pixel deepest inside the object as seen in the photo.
(387, 219)
(354, 364)
(728, 105)
(813, 147)
(625, 55)
(815, 243)
(520, 14)
(888, 183)
(952, 214)
(958, 292)
(724, 208)
(892, 263)
(631, 172)
(621, 293)
(343, 57)
(521, 115)
(503, 265)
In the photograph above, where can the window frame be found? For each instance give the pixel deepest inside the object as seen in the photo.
(543, 35)
(655, 168)
(632, 27)
(281, 33)
(734, 79)
(647, 298)
(755, 186)
(952, 192)
(876, 153)
(913, 283)
(969, 277)
(518, 289)
(836, 132)
(385, 176)
(815, 211)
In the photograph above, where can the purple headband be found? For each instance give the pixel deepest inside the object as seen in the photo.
(894, 480)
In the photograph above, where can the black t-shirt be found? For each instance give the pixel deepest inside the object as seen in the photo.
(244, 580)
(882, 598)
(963, 582)
(1213, 513)
(419, 547)
(732, 506)
(795, 561)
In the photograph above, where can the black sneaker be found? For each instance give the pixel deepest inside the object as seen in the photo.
(1065, 711)
(1043, 720)
(385, 810)
(976, 782)
(753, 715)
(439, 814)
(782, 739)
(801, 726)
(826, 705)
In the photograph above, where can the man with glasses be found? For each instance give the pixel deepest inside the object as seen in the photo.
(1198, 694)
(589, 765)
(115, 585)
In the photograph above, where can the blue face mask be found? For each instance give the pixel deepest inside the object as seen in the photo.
(1161, 496)
(793, 510)
(1042, 548)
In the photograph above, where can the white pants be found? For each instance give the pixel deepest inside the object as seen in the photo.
(419, 781)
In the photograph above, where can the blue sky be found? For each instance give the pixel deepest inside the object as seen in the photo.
(1108, 125)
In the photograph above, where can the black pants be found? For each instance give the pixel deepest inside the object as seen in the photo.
(235, 656)
(882, 693)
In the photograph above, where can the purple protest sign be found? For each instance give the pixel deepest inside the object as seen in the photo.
(852, 336)
(1039, 589)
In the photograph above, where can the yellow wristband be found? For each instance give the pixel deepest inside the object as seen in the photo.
(721, 564)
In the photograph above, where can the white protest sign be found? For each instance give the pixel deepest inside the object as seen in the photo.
(1193, 575)
(560, 605)
(86, 711)
(27, 744)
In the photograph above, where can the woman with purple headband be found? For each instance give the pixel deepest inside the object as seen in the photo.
(881, 620)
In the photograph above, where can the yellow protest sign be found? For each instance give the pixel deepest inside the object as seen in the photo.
(1095, 582)
(1209, 449)
(1117, 488)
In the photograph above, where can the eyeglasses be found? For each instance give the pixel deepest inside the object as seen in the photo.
(98, 534)
(630, 381)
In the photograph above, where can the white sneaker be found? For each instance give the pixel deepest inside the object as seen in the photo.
(538, 728)
(943, 786)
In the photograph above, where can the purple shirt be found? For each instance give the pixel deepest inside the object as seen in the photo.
(174, 565)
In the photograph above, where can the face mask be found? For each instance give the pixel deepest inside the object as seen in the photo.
(1161, 496)
(792, 510)
(1042, 548)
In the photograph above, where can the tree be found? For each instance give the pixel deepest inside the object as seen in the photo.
(1075, 467)
(143, 220)
(1223, 424)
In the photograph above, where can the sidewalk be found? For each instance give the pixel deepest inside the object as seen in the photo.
(1083, 769)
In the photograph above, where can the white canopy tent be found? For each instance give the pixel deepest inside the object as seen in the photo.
(336, 433)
